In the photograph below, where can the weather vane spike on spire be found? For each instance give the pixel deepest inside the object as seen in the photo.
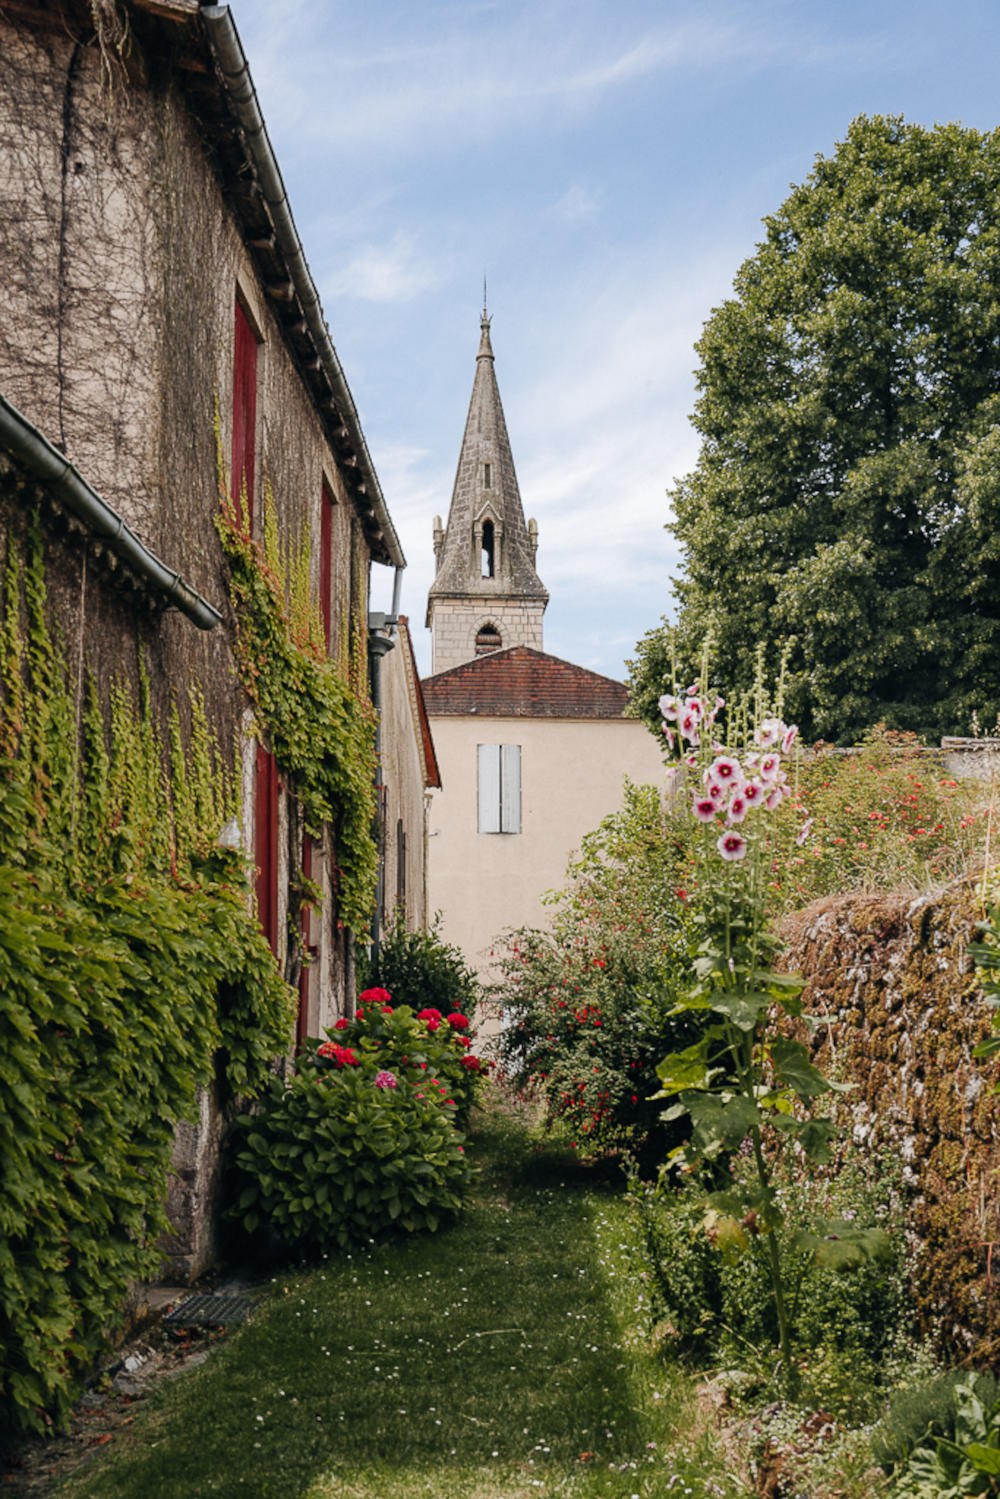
(485, 314)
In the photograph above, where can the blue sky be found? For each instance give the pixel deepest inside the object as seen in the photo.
(607, 164)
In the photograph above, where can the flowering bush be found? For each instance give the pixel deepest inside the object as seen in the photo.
(883, 816)
(343, 1154)
(418, 1048)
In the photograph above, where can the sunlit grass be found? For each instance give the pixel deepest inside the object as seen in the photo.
(506, 1356)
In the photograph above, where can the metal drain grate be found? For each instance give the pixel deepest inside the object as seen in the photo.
(209, 1311)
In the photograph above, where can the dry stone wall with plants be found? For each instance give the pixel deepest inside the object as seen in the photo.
(893, 974)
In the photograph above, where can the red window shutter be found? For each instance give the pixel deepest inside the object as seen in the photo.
(244, 416)
(308, 951)
(326, 563)
(266, 844)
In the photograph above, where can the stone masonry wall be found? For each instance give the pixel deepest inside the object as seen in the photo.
(894, 973)
(455, 623)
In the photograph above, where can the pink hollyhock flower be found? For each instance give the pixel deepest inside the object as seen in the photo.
(385, 1080)
(458, 1021)
(725, 769)
(704, 809)
(695, 706)
(738, 808)
(769, 732)
(688, 726)
(804, 832)
(788, 739)
(775, 798)
(717, 791)
(753, 793)
(668, 706)
(769, 766)
(732, 845)
(670, 736)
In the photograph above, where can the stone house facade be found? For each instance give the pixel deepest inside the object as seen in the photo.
(157, 313)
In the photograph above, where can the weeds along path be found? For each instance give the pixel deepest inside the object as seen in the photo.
(500, 1359)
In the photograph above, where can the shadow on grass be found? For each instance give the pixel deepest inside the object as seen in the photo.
(490, 1346)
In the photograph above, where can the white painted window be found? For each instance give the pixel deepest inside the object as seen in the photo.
(499, 788)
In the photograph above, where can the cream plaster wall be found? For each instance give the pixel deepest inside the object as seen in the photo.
(571, 776)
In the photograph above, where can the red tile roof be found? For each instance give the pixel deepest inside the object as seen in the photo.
(523, 683)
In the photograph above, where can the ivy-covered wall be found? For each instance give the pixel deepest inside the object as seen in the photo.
(894, 973)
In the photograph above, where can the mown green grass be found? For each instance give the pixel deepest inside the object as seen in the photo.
(502, 1358)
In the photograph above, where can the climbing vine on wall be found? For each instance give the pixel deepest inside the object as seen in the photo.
(319, 722)
(131, 973)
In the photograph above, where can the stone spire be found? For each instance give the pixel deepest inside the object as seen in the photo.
(486, 594)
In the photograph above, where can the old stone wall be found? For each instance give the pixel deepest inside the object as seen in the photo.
(894, 975)
(456, 623)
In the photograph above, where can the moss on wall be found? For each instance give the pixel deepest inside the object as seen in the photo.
(893, 974)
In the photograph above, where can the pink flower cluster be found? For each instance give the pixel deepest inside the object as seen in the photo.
(732, 788)
(686, 716)
(385, 1080)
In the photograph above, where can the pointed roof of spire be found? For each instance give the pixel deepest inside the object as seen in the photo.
(486, 488)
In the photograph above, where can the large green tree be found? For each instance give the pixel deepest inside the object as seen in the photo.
(847, 492)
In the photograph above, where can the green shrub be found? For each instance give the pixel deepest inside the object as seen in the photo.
(926, 1410)
(350, 1150)
(422, 970)
(967, 1459)
(712, 1295)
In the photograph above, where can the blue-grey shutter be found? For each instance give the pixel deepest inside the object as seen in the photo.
(510, 788)
(489, 787)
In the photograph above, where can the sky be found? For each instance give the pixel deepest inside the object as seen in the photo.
(606, 164)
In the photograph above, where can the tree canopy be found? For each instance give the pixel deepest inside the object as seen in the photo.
(847, 492)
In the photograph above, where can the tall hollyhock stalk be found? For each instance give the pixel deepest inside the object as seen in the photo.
(742, 1078)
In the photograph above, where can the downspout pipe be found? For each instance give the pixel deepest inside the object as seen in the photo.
(235, 70)
(37, 454)
(379, 645)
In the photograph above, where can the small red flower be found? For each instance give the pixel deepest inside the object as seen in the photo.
(458, 1021)
(431, 1017)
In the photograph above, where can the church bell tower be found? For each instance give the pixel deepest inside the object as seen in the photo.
(486, 595)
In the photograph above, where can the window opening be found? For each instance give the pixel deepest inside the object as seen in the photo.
(487, 476)
(489, 549)
(499, 785)
(488, 639)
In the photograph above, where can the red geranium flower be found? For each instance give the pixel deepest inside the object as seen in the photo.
(375, 997)
(458, 1022)
(432, 1017)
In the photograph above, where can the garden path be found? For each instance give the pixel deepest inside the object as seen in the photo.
(506, 1357)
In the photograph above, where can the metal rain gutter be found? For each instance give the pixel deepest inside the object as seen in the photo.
(26, 443)
(228, 50)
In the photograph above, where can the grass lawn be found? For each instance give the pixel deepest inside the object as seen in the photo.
(502, 1358)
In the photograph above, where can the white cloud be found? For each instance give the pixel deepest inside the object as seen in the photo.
(391, 272)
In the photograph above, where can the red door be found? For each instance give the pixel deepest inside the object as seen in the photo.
(244, 418)
(266, 844)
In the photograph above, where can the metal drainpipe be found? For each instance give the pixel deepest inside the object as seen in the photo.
(37, 454)
(379, 645)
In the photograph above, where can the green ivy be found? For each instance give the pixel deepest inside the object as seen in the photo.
(320, 725)
(132, 973)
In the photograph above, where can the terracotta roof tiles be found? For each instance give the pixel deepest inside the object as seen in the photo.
(523, 683)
